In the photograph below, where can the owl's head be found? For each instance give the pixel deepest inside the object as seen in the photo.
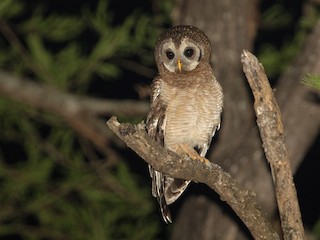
(181, 49)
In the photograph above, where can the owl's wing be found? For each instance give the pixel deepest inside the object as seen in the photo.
(204, 148)
(157, 114)
(165, 189)
(155, 128)
(216, 118)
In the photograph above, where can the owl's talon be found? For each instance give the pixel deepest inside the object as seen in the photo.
(204, 160)
(191, 153)
(199, 158)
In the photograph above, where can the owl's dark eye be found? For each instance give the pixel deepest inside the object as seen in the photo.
(170, 55)
(188, 52)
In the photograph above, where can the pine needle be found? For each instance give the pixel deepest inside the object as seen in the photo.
(312, 80)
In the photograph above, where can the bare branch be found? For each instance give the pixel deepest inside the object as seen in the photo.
(81, 113)
(48, 98)
(126, 108)
(272, 135)
(242, 201)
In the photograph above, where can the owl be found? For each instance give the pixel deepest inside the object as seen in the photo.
(186, 105)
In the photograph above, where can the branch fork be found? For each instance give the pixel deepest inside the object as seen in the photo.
(241, 200)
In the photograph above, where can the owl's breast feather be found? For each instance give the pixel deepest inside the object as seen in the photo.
(191, 113)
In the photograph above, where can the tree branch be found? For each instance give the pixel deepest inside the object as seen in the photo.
(241, 200)
(272, 135)
(81, 113)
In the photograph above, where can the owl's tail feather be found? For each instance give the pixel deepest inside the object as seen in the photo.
(166, 190)
(166, 215)
(158, 192)
(173, 188)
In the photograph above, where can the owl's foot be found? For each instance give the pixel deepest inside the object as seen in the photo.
(186, 149)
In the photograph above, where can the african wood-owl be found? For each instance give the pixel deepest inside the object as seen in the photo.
(186, 104)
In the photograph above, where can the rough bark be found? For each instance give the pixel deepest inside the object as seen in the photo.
(241, 200)
(272, 135)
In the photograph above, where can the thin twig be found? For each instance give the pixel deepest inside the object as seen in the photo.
(14, 41)
(272, 135)
(16, 44)
(242, 201)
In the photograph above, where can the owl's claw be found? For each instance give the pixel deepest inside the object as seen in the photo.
(185, 149)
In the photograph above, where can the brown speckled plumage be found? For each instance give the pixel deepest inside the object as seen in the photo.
(186, 105)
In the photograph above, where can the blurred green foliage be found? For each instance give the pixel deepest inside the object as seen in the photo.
(283, 29)
(49, 187)
(312, 81)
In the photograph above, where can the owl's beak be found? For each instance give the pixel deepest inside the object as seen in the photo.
(179, 65)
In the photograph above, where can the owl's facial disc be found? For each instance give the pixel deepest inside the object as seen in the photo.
(182, 58)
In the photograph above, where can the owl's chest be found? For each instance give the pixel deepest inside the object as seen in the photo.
(191, 113)
(189, 99)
